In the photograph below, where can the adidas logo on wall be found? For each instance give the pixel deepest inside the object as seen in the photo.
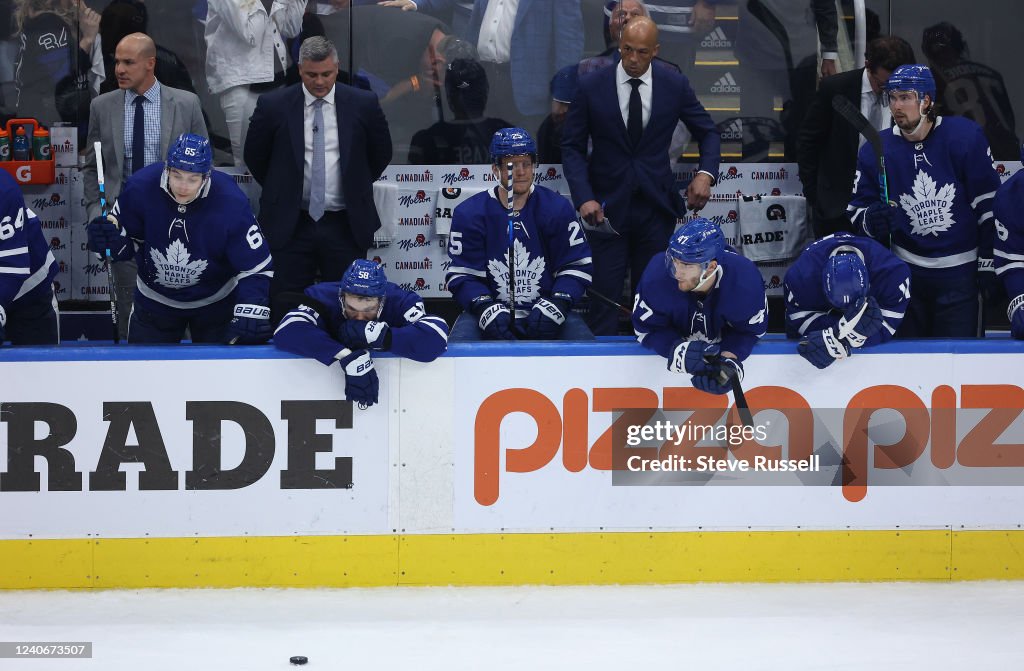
(733, 131)
(725, 84)
(716, 39)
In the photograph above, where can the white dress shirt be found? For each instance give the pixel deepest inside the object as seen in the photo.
(872, 107)
(495, 42)
(624, 89)
(334, 198)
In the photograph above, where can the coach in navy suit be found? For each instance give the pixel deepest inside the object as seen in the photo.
(624, 191)
(317, 207)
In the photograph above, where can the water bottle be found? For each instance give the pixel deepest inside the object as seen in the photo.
(5, 145)
(22, 150)
(41, 144)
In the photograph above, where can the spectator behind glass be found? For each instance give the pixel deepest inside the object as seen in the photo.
(53, 75)
(467, 138)
(122, 18)
(246, 56)
(549, 137)
(970, 89)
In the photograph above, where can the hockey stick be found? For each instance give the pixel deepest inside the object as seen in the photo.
(594, 293)
(98, 148)
(511, 242)
(729, 376)
(860, 123)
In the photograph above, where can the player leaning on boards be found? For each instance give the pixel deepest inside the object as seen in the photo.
(1009, 246)
(702, 306)
(28, 308)
(844, 292)
(345, 321)
(203, 262)
(941, 187)
(551, 256)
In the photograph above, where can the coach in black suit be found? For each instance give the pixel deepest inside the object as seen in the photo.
(827, 145)
(316, 148)
(629, 112)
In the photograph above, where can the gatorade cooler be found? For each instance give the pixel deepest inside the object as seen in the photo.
(29, 172)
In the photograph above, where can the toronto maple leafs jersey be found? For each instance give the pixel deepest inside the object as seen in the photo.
(1009, 242)
(733, 313)
(943, 189)
(807, 307)
(193, 256)
(27, 266)
(551, 250)
(309, 329)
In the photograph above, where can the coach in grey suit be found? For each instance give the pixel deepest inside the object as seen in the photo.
(165, 114)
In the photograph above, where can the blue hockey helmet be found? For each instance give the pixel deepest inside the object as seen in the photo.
(512, 142)
(698, 241)
(913, 77)
(190, 153)
(362, 289)
(845, 279)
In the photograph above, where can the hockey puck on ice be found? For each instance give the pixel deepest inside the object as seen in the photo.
(298, 660)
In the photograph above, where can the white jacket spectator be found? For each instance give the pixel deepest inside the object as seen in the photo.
(244, 38)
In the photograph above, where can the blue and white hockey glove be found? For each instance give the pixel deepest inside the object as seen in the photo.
(361, 384)
(104, 234)
(250, 325)
(493, 318)
(547, 316)
(695, 357)
(356, 334)
(822, 348)
(880, 221)
(862, 320)
(1015, 313)
(719, 381)
(988, 283)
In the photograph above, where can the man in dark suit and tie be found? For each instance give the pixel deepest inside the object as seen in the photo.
(316, 148)
(827, 145)
(624, 191)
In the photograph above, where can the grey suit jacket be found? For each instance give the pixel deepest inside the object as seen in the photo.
(180, 112)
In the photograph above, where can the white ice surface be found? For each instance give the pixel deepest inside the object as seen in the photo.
(974, 626)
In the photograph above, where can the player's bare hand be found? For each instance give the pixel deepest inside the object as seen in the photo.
(698, 192)
(592, 212)
(404, 5)
(703, 17)
(828, 67)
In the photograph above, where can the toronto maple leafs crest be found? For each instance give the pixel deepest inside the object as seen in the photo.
(176, 270)
(528, 275)
(929, 209)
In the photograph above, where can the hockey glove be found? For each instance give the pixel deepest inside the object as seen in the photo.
(547, 316)
(695, 357)
(880, 221)
(493, 318)
(361, 383)
(718, 381)
(823, 347)
(862, 320)
(1015, 313)
(105, 234)
(250, 325)
(355, 334)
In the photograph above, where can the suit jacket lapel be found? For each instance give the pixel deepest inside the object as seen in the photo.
(167, 113)
(344, 116)
(117, 126)
(611, 88)
(297, 111)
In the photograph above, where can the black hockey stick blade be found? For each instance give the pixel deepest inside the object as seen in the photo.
(853, 116)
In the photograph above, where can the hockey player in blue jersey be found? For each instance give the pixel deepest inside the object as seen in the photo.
(28, 309)
(552, 257)
(345, 321)
(702, 306)
(941, 184)
(203, 261)
(1009, 246)
(842, 293)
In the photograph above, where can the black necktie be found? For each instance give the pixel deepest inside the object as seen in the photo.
(139, 137)
(635, 123)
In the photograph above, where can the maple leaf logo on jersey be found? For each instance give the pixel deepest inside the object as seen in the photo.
(930, 210)
(176, 271)
(528, 274)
